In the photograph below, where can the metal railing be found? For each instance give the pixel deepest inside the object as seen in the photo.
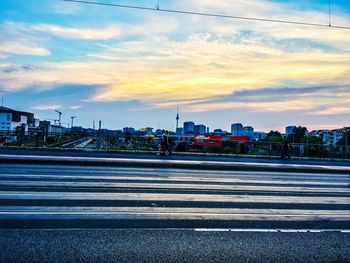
(123, 142)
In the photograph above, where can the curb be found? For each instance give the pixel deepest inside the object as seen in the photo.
(179, 164)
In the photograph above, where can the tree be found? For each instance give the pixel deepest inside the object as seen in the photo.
(298, 134)
(274, 133)
(274, 136)
(312, 139)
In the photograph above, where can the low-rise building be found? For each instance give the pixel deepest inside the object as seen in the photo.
(11, 119)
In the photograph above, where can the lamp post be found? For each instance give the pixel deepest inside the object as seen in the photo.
(59, 117)
(346, 143)
(72, 118)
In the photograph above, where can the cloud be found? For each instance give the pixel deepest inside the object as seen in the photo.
(47, 107)
(108, 32)
(212, 64)
(27, 31)
(200, 67)
(13, 47)
(15, 67)
(75, 107)
(56, 107)
(312, 100)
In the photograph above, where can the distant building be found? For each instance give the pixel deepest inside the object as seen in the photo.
(199, 129)
(188, 127)
(47, 128)
(237, 129)
(330, 137)
(57, 129)
(129, 130)
(159, 132)
(208, 130)
(289, 129)
(219, 132)
(179, 131)
(147, 130)
(248, 129)
(258, 136)
(11, 119)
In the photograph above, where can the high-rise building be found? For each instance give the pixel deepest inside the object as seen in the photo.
(199, 129)
(289, 129)
(188, 127)
(237, 129)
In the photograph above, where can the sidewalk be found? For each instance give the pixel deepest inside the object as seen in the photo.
(174, 156)
(179, 164)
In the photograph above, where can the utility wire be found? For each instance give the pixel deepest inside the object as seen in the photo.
(210, 14)
(329, 12)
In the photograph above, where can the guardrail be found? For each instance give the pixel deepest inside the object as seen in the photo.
(151, 143)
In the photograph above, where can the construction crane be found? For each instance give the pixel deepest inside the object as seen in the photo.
(59, 117)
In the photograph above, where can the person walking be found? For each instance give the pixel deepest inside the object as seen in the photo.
(285, 148)
(165, 144)
(168, 142)
(162, 145)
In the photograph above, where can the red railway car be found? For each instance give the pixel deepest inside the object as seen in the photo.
(216, 141)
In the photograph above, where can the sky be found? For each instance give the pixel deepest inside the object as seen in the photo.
(131, 68)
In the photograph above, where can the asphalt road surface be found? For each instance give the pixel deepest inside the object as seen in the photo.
(170, 245)
(181, 215)
(37, 196)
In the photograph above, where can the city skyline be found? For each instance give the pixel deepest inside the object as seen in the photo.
(132, 68)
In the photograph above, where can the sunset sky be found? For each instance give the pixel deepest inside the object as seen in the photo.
(132, 68)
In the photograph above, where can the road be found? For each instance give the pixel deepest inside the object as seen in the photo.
(61, 213)
(51, 196)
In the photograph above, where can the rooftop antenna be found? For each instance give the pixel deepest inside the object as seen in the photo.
(72, 118)
(59, 117)
(93, 125)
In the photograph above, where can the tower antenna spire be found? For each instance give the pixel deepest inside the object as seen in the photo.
(177, 117)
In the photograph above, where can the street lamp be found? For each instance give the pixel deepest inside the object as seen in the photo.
(59, 117)
(72, 117)
(346, 143)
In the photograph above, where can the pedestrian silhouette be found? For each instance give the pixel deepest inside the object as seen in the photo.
(285, 148)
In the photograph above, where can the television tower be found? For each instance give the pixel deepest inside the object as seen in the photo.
(177, 117)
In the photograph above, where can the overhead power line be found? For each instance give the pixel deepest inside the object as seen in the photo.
(209, 14)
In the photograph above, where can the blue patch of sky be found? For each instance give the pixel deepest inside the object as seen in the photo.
(316, 5)
(38, 95)
(43, 12)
